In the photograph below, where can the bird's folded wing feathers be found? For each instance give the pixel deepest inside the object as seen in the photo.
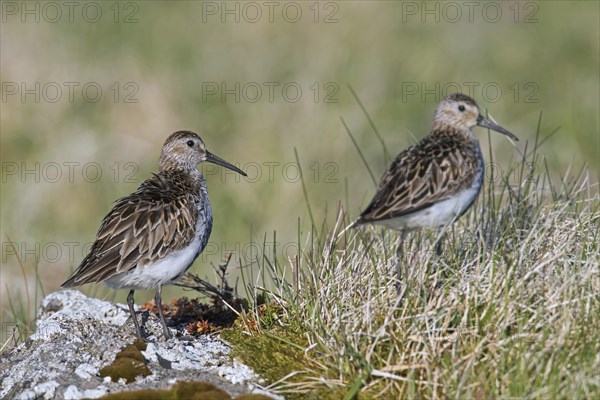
(414, 182)
(138, 230)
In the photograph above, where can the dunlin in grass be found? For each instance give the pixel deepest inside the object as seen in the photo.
(433, 183)
(151, 237)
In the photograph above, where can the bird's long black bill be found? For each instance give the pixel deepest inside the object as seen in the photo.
(486, 123)
(210, 157)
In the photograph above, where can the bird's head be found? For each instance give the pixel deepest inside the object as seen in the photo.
(459, 111)
(184, 150)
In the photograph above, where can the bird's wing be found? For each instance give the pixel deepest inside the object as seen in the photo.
(426, 173)
(141, 228)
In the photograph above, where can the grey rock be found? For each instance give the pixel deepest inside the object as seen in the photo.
(77, 336)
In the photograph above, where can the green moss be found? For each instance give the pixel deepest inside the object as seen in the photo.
(128, 363)
(274, 355)
(198, 391)
(183, 391)
(139, 394)
(271, 357)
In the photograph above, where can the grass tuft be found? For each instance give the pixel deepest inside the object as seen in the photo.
(509, 309)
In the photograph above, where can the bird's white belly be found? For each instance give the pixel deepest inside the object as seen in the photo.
(163, 271)
(439, 214)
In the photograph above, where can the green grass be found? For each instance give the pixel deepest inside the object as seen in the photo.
(509, 310)
(169, 62)
(536, 221)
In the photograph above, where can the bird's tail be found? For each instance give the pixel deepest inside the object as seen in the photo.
(71, 282)
(352, 225)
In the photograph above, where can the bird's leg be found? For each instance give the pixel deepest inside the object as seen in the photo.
(132, 311)
(399, 256)
(438, 243)
(440, 235)
(158, 302)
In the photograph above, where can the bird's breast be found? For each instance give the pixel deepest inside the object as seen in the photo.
(203, 224)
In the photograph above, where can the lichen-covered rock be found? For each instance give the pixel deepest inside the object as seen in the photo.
(77, 337)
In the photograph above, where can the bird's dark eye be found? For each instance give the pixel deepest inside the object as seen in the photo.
(461, 108)
(190, 143)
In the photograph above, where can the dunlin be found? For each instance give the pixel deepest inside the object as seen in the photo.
(151, 237)
(434, 182)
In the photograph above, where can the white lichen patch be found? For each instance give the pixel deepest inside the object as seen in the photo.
(204, 354)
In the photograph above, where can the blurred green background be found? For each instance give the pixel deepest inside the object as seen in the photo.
(90, 91)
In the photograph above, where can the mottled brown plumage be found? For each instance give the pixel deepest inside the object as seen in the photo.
(432, 170)
(145, 226)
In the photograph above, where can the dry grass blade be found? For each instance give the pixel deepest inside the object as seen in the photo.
(507, 310)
